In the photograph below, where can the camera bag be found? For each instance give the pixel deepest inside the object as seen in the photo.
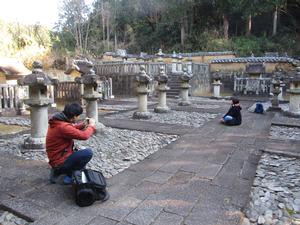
(89, 186)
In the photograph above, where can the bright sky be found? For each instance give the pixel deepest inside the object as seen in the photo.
(30, 11)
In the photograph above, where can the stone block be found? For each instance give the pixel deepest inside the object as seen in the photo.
(52, 217)
(159, 177)
(100, 220)
(145, 213)
(168, 218)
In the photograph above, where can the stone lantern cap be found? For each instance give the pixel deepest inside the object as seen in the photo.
(162, 78)
(185, 76)
(88, 74)
(160, 53)
(85, 67)
(179, 56)
(216, 76)
(143, 78)
(174, 55)
(296, 77)
(37, 77)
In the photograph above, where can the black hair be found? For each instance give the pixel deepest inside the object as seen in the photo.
(235, 101)
(72, 110)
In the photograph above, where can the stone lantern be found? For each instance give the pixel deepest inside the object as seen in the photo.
(143, 81)
(160, 55)
(294, 91)
(38, 101)
(217, 84)
(174, 62)
(162, 89)
(275, 91)
(190, 65)
(91, 94)
(185, 77)
(179, 63)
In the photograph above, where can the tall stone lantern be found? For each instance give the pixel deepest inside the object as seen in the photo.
(162, 89)
(294, 91)
(174, 62)
(143, 81)
(160, 55)
(185, 78)
(90, 82)
(275, 91)
(38, 101)
(217, 84)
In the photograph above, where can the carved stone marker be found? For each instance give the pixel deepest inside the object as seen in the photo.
(162, 92)
(184, 88)
(38, 101)
(142, 90)
(217, 85)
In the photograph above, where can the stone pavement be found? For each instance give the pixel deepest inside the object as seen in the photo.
(203, 178)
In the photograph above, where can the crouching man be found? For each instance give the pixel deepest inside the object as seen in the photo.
(63, 158)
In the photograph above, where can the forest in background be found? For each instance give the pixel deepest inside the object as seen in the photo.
(243, 26)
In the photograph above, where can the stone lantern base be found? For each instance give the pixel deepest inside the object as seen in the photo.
(184, 103)
(38, 144)
(141, 115)
(160, 109)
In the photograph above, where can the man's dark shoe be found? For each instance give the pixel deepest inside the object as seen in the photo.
(53, 177)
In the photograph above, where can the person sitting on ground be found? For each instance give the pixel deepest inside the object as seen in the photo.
(63, 158)
(233, 117)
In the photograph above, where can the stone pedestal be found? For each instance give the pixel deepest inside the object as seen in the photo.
(184, 88)
(38, 101)
(162, 93)
(142, 90)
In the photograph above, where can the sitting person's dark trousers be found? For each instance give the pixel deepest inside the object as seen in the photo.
(59, 142)
(233, 117)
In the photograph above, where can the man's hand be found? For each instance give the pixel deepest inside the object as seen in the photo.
(91, 122)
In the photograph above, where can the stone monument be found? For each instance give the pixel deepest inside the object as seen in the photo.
(179, 63)
(217, 84)
(162, 95)
(294, 91)
(91, 93)
(160, 55)
(275, 91)
(174, 62)
(143, 81)
(185, 77)
(38, 101)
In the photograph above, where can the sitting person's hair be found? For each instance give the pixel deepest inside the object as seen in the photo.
(235, 101)
(72, 110)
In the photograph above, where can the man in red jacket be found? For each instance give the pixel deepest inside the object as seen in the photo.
(63, 158)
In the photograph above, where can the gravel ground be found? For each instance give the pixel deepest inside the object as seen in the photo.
(193, 119)
(275, 195)
(282, 132)
(7, 218)
(114, 150)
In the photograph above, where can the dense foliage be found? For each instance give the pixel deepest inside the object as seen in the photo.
(244, 26)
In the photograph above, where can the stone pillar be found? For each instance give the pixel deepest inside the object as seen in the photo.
(217, 84)
(142, 90)
(162, 92)
(280, 96)
(275, 92)
(21, 109)
(190, 65)
(184, 88)
(90, 82)
(179, 63)
(294, 91)
(38, 101)
(174, 62)
(110, 88)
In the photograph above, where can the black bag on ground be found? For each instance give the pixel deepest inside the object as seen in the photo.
(89, 186)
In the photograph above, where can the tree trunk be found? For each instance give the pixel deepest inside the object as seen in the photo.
(225, 26)
(249, 26)
(103, 23)
(87, 35)
(108, 32)
(183, 30)
(275, 21)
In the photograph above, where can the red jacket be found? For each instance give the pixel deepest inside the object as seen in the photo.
(59, 140)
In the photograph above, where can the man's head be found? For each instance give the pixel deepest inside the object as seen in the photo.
(235, 101)
(72, 110)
